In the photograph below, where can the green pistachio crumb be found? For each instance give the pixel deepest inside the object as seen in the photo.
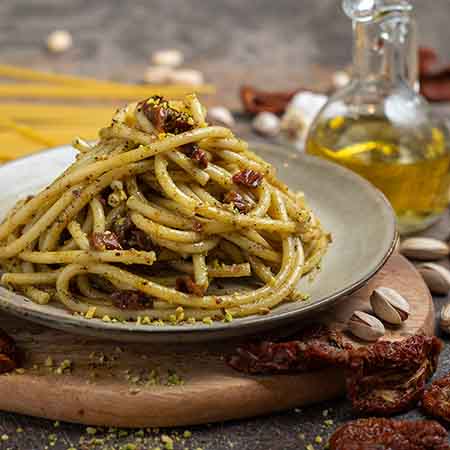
(187, 434)
(91, 430)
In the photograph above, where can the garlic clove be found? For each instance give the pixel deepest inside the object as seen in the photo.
(189, 77)
(389, 305)
(157, 74)
(423, 248)
(340, 79)
(365, 326)
(436, 277)
(167, 57)
(59, 41)
(267, 124)
(221, 115)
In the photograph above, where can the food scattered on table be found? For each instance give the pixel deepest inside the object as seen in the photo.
(168, 57)
(187, 77)
(434, 80)
(255, 101)
(158, 74)
(314, 347)
(266, 124)
(300, 114)
(386, 378)
(365, 326)
(219, 115)
(389, 305)
(171, 194)
(444, 321)
(424, 248)
(9, 358)
(436, 277)
(374, 434)
(340, 79)
(59, 41)
(436, 399)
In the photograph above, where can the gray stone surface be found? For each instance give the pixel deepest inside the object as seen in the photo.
(273, 43)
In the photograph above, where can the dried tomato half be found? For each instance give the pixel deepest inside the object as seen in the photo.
(389, 434)
(315, 347)
(187, 285)
(389, 377)
(8, 353)
(248, 178)
(198, 155)
(163, 117)
(238, 201)
(105, 241)
(132, 300)
(436, 399)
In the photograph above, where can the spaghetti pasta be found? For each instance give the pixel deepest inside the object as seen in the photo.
(145, 221)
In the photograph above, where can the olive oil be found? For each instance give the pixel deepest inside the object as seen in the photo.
(411, 168)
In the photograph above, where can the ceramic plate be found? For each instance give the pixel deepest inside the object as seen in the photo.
(358, 216)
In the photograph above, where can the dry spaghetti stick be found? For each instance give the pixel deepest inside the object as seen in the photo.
(124, 92)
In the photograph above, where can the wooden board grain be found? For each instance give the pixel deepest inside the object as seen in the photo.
(115, 385)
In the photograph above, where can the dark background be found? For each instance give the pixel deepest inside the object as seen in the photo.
(275, 44)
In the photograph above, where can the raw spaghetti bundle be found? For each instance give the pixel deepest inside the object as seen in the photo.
(145, 221)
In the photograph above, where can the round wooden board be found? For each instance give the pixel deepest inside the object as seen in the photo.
(109, 385)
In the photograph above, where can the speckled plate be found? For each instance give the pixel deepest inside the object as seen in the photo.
(358, 216)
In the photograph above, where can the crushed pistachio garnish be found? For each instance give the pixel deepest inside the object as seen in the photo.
(207, 320)
(48, 361)
(106, 319)
(90, 313)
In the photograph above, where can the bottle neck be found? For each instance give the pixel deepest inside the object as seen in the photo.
(385, 49)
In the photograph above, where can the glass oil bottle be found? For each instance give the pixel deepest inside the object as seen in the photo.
(378, 125)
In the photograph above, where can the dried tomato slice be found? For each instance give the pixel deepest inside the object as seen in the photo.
(129, 236)
(389, 377)
(8, 353)
(315, 347)
(105, 241)
(248, 178)
(187, 285)
(256, 101)
(196, 154)
(436, 399)
(132, 300)
(164, 118)
(389, 434)
(238, 201)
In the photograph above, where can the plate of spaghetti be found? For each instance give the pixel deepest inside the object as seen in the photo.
(171, 229)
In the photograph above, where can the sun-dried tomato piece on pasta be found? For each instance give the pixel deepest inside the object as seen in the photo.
(248, 178)
(187, 285)
(133, 300)
(105, 241)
